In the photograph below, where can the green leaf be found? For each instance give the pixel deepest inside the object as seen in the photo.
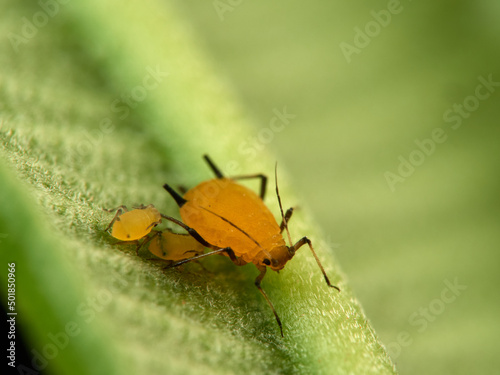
(100, 105)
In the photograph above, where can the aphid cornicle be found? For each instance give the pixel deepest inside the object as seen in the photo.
(232, 220)
(131, 226)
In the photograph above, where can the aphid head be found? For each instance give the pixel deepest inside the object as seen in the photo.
(278, 257)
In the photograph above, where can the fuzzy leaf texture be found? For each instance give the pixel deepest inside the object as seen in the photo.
(101, 104)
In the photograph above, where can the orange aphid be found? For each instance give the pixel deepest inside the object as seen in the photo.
(236, 217)
(234, 221)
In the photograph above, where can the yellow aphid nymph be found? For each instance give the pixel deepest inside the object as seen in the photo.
(174, 246)
(133, 225)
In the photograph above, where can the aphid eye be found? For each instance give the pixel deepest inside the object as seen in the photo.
(267, 262)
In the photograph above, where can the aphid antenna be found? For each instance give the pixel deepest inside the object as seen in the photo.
(281, 207)
(302, 241)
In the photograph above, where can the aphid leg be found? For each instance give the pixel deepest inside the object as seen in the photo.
(305, 240)
(143, 207)
(263, 182)
(258, 280)
(182, 189)
(140, 245)
(170, 263)
(119, 210)
(226, 250)
(136, 242)
(153, 224)
(218, 174)
(286, 219)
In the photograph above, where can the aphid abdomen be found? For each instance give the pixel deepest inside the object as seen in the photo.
(227, 214)
(216, 231)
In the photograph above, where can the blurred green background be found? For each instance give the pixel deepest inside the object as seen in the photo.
(388, 134)
(355, 116)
